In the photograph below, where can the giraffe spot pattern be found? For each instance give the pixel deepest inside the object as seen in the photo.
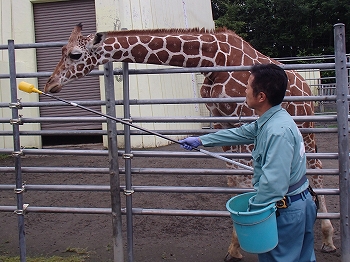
(173, 44)
(109, 41)
(192, 62)
(156, 44)
(109, 48)
(163, 56)
(177, 60)
(145, 39)
(123, 41)
(188, 38)
(117, 55)
(133, 40)
(139, 53)
(191, 48)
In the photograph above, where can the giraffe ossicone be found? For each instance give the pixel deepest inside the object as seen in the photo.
(193, 48)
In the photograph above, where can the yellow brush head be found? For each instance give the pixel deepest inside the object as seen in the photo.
(29, 88)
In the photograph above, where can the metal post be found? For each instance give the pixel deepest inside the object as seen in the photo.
(113, 164)
(127, 158)
(343, 137)
(15, 121)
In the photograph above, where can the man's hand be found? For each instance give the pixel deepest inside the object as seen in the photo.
(190, 142)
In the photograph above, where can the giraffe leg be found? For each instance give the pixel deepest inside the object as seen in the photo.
(233, 253)
(326, 225)
(327, 229)
(240, 181)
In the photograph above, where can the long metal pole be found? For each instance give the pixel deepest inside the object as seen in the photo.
(343, 138)
(113, 164)
(127, 160)
(148, 211)
(17, 151)
(148, 131)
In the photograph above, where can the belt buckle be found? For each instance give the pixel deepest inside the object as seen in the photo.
(282, 203)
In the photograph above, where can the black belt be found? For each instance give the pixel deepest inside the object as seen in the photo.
(297, 184)
(298, 196)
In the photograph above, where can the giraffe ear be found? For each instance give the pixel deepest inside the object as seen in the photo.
(96, 41)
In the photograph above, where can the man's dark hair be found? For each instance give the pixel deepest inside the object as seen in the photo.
(271, 80)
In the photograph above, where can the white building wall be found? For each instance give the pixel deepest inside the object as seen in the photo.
(17, 22)
(150, 14)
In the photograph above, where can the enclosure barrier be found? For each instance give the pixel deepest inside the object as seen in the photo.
(341, 99)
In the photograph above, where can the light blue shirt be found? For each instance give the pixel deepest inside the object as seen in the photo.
(278, 157)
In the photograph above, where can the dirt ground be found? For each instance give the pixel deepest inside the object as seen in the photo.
(156, 238)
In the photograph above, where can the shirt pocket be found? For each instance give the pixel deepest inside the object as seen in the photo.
(256, 158)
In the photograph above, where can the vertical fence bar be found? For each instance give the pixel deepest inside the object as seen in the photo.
(15, 121)
(343, 137)
(127, 157)
(113, 164)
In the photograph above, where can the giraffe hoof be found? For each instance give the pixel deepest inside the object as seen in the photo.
(229, 258)
(328, 248)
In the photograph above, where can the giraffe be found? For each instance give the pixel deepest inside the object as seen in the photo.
(192, 48)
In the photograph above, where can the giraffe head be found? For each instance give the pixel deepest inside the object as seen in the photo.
(78, 59)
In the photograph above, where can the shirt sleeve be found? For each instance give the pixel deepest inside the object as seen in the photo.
(273, 182)
(234, 136)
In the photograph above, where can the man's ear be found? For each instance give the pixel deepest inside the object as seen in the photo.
(95, 42)
(262, 97)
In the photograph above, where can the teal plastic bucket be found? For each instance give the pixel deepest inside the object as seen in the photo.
(256, 230)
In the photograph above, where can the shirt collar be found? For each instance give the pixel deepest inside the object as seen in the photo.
(267, 115)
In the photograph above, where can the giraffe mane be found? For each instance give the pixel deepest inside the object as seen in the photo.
(166, 31)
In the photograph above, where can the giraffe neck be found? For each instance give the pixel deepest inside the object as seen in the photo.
(184, 50)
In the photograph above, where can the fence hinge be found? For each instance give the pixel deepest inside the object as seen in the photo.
(17, 153)
(17, 121)
(128, 192)
(21, 211)
(17, 105)
(128, 156)
(20, 190)
(119, 78)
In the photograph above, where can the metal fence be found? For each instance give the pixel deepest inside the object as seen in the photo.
(327, 90)
(115, 188)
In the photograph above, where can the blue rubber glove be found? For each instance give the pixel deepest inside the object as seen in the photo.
(190, 142)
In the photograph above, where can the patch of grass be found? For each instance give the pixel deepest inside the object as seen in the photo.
(81, 254)
(3, 157)
(108, 247)
(78, 250)
(43, 259)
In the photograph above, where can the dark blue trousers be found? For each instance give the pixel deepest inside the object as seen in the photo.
(295, 233)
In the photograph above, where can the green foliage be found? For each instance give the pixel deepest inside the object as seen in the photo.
(78, 250)
(284, 28)
(328, 77)
(4, 156)
(81, 254)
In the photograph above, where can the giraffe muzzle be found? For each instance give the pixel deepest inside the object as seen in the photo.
(52, 87)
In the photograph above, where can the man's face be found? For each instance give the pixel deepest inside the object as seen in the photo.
(251, 100)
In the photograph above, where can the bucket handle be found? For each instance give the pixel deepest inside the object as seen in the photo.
(255, 223)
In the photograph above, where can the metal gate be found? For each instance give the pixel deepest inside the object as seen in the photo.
(114, 171)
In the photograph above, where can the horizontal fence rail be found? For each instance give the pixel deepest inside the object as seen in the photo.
(23, 208)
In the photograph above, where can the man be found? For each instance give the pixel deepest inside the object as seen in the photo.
(279, 164)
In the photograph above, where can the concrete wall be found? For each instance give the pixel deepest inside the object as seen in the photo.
(149, 14)
(16, 19)
(16, 22)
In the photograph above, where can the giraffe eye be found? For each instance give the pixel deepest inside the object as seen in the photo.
(74, 56)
